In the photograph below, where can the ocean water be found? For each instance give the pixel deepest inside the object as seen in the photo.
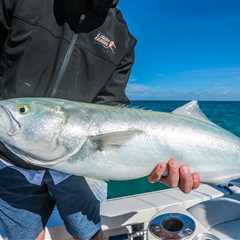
(225, 114)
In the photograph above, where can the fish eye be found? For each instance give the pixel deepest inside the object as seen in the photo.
(23, 109)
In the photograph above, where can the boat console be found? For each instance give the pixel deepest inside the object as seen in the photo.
(208, 213)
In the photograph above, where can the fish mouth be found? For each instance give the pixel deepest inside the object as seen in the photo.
(8, 122)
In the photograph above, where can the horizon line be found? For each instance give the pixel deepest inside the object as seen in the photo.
(180, 100)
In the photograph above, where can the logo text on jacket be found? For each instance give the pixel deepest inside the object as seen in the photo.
(106, 42)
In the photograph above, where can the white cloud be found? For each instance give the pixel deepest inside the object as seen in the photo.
(210, 84)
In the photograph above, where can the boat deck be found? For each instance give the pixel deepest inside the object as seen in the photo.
(118, 215)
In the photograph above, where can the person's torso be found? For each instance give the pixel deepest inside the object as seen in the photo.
(36, 46)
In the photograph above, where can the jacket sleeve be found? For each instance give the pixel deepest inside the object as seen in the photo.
(113, 92)
(6, 9)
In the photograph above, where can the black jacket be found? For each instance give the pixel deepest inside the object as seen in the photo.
(47, 48)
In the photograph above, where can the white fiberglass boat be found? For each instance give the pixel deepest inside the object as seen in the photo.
(209, 213)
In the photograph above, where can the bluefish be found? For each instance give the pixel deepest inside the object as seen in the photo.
(116, 143)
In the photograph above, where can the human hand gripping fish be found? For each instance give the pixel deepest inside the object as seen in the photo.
(119, 143)
(175, 175)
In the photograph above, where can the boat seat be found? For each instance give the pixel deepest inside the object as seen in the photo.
(220, 216)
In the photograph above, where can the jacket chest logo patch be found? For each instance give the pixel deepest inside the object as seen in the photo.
(106, 42)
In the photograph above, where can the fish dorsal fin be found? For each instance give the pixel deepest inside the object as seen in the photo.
(113, 139)
(193, 110)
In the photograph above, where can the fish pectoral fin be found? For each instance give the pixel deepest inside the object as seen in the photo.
(193, 110)
(114, 139)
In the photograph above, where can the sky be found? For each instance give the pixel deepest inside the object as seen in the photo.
(186, 49)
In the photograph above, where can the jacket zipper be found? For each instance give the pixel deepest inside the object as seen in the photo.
(66, 60)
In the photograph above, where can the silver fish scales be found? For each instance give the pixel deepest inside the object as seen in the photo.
(116, 143)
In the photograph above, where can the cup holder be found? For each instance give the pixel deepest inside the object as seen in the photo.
(172, 226)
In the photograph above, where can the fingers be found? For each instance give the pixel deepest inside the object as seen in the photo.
(196, 180)
(157, 173)
(172, 179)
(186, 179)
(181, 177)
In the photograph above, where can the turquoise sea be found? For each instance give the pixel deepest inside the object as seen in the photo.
(225, 114)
